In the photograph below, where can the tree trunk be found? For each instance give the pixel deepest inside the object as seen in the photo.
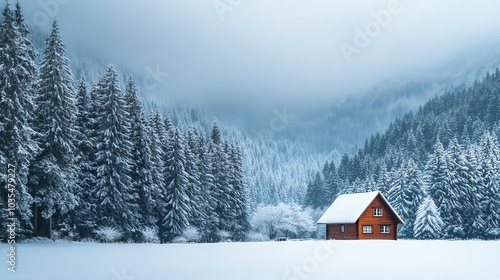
(50, 227)
(35, 232)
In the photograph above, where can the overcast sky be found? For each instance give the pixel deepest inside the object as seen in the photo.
(272, 51)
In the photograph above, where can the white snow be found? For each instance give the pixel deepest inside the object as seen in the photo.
(347, 208)
(292, 260)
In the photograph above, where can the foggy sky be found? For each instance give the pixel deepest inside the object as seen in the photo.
(278, 52)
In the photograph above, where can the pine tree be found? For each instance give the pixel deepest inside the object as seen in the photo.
(222, 178)
(84, 214)
(438, 179)
(315, 194)
(215, 135)
(157, 132)
(428, 223)
(221, 189)
(490, 185)
(406, 194)
(177, 184)
(239, 195)
(209, 224)
(116, 197)
(140, 173)
(53, 172)
(462, 182)
(473, 218)
(194, 189)
(17, 76)
(332, 184)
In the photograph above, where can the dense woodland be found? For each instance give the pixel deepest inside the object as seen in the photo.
(439, 167)
(89, 163)
(94, 161)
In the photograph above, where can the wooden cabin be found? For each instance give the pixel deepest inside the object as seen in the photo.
(361, 216)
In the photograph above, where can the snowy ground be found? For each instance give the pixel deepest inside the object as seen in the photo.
(422, 260)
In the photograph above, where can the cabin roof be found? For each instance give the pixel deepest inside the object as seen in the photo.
(347, 208)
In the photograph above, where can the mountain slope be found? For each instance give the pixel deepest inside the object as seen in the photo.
(448, 150)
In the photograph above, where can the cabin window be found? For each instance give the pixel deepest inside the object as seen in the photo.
(377, 212)
(385, 229)
(342, 228)
(367, 229)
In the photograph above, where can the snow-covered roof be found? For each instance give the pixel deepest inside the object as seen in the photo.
(347, 208)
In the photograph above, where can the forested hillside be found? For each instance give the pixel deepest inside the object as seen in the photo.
(439, 166)
(86, 162)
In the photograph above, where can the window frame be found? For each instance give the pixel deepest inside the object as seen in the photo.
(342, 228)
(375, 211)
(365, 229)
(383, 227)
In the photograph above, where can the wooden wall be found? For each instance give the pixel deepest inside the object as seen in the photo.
(333, 232)
(387, 218)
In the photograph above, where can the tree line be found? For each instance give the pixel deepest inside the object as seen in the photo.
(91, 164)
(439, 167)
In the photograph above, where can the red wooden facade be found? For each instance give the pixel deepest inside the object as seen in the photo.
(333, 231)
(383, 223)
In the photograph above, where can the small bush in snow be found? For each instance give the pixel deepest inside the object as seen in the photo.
(180, 239)
(88, 240)
(257, 237)
(288, 220)
(66, 233)
(108, 234)
(38, 240)
(224, 236)
(191, 234)
(150, 235)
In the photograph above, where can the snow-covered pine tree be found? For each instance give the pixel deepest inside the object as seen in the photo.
(221, 191)
(473, 219)
(490, 185)
(177, 186)
(428, 223)
(240, 219)
(53, 173)
(438, 180)
(384, 180)
(169, 130)
(17, 76)
(315, 193)
(209, 224)
(116, 198)
(84, 214)
(197, 198)
(229, 192)
(140, 157)
(215, 135)
(25, 38)
(332, 184)
(415, 192)
(463, 180)
(355, 187)
(406, 194)
(157, 132)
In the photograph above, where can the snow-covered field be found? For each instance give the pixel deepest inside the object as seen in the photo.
(422, 260)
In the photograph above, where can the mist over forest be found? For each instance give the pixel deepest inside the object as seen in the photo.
(285, 104)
